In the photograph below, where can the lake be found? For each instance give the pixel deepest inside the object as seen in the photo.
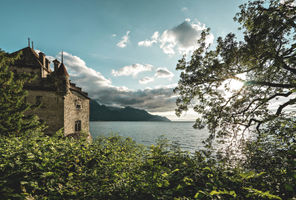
(146, 133)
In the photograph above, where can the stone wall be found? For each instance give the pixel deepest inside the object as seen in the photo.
(76, 108)
(51, 109)
(61, 104)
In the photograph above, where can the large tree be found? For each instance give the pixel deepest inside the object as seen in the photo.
(264, 61)
(14, 111)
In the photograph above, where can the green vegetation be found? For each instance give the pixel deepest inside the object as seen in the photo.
(34, 166)
(43, 167)
(264, 61)
(12, 100)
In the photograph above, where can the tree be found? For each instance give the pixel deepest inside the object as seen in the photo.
(265, 62)
(14, 117)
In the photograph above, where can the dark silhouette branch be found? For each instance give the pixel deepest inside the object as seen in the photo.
(281, 107)
(289, 68)
(264, 101)
(271, 84)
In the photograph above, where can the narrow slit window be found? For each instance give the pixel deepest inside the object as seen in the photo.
(78, 125)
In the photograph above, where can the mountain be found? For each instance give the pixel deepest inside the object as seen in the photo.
(106, 113)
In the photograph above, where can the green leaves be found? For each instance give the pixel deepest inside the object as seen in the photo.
(116, 168)
(265, 58)
(259, 194)
(14, 118)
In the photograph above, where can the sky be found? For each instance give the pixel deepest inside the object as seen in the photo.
(122, 52)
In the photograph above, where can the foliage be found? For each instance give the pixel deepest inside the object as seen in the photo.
(34, 166)
(12, 104)
(43, 167)
(264, 61)
(274, 152)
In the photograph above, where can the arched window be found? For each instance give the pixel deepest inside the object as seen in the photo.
(78, 125)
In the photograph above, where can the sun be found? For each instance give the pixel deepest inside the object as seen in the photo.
(235, 85)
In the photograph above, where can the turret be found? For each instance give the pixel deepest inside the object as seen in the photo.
(62, 78)
(62, 71)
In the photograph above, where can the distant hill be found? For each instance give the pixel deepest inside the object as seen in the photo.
(105, 113)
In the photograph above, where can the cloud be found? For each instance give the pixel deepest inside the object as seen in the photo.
(148, 43)
(114, 35)
(132, 70)
(160, 99)
(163, 73)
(146, 80)
(83, 75)
(182, 38)
(124, 40)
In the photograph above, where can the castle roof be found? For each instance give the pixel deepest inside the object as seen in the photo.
(29, 58)
(62, 70)
(29, 53)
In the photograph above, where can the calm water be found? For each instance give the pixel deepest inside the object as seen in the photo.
(147, 132)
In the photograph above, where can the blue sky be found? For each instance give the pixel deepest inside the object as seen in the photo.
(123, 52)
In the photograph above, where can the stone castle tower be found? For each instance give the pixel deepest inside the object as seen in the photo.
(62, 103)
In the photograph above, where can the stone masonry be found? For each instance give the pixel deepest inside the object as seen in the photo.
(61, 103)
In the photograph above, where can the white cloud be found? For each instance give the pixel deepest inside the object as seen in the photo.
(146, 80)
(163, 73)
(182, 38)
(114, 35)
(124, 40)
(148, 43)
(132, 70)
(83, 75)
(101, 89)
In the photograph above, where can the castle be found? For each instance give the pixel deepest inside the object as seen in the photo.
(61, 103)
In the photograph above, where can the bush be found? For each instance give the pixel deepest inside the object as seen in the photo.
(42, 167)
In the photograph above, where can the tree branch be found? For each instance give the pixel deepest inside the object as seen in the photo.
(265, 100)
(271, 84)
(289, 68)
(281, 107)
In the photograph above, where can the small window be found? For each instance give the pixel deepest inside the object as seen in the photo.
(78, 125)
(78, 104)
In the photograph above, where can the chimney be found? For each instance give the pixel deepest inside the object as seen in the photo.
(56, 64)
(47, 64)
(42, 58)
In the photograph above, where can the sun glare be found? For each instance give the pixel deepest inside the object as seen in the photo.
(235, 84)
